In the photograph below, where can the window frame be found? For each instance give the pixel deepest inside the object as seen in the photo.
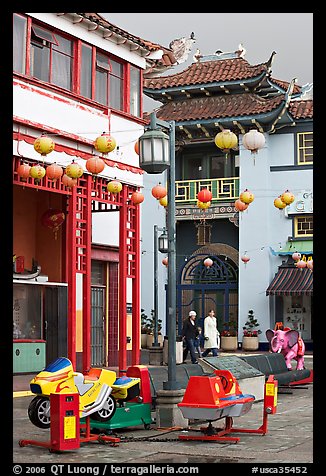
(296, 219)
(303, 149)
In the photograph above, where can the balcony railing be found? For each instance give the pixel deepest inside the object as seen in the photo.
(222, 189)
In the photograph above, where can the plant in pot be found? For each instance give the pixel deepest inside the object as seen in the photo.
(229, 336)
(250, 340)
(145, 328)
(150, 329)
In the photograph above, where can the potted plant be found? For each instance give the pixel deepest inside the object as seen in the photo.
(150, 330)
(144, 329)
(229, 336)
(250, 340)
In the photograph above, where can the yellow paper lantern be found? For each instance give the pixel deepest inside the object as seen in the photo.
(203, 205)
(44, 145)
(287, 197)
(37, 172)
(105, 143)
(74, 170)
(246, 196)
(278, 203)
(226, 140)
(164, 201)
(114, 186)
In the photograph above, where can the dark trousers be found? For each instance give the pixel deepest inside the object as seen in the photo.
(207, 351)
(190, 346)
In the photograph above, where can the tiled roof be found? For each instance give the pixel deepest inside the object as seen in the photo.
(208, 72)
(302, 109)
(217, 107)
(284, 85)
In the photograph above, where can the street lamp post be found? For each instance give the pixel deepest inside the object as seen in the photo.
(157, 153)
(162, 244)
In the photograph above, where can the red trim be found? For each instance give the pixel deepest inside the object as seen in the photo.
(71, 268)
(123, 284)
(28, 341)
(135, 353)
(87, 242)
(105, 254)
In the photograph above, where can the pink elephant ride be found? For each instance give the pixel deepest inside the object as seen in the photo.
(289, 343)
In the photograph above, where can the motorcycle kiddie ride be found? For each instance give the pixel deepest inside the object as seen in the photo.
(99, 391)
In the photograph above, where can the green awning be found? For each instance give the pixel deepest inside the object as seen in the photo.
(305, 247)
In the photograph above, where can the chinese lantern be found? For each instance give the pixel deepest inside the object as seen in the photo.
(204, 195)
(164, 201)
(226, 140)
(37, 172)
(296, 256)
(44, 145)
(310, 263)
(253, 141)
(245, 259)
(301, 263)
(240, 206)
(137, 197)
(208, 262)
(159, 191)
(95, 165)
(68, 181)
(278, 203)
(53, 219)
(203, 205)
(287, 197)
(136, 147)
(165, 261)
(23, 171)
(114, 186)
(246, 196)
(74, 170)
(54, 171)
(105, 143)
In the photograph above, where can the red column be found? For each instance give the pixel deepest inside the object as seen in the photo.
(122, 341)
(71, 275)
(87, 269)
(136, 291)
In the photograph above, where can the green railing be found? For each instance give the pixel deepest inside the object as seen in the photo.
(222, 189)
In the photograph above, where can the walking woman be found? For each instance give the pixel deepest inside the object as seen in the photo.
(211, 335)
(189, 333)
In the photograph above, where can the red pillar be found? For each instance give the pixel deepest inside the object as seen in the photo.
(136, 291)
(122, 341)
(87, 270)
(71, 275)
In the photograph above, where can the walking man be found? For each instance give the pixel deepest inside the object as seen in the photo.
(189, 334)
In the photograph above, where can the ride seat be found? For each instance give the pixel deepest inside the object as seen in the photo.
(93, 374)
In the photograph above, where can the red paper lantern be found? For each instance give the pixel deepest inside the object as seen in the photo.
(245, 259)
(53, 219)
(23, 171)
(165, 261)
(296, 256)
(208, 262)
(54, 171)
(159, 191)
(136, 147)
(68, 181)
(310, 263)
(137, 197)
(301, 263)
(205, 195)
(240, 206)
(95, 165)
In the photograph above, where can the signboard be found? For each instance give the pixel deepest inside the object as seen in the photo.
(303, 203)
(239, 368)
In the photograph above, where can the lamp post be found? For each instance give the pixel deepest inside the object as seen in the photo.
(160, 242)
(156, 154)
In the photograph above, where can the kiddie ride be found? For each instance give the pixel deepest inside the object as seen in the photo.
(70, 403)
(219, 396)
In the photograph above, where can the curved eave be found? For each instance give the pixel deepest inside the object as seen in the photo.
(244, 85)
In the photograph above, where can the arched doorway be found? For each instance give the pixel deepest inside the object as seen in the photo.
(201, 288)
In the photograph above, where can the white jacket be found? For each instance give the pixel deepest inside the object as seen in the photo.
(210, 331)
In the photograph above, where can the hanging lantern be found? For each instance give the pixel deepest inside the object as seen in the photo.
(159, 191)
(296, 256)
(245, 259)
(44, 145)
(68, 181)
(287, 197)
(240, 206)
(310, 263)
(54, 171)
(165, 261)
(278, 203)
(246, 196)
(136, 147)
(302, 263)
(205, 195)
(253, 141)
(95, 165)
(114, 186)
(203, 205)
(226, 140)
(105, 143)
(74, 170)
(23, 171)
(53, 219)
(208, 262)
(164, 201)
(137, 197)
(37, 172)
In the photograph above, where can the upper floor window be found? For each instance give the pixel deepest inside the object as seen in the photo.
(83, 69)
(305, 151)
(303, 226)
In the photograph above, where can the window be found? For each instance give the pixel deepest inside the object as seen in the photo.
(135, 91)
(303, 226)
(305, 151)
(19, 44)
(86, 71)
(98, 272)
(203, 233)
(109, 81)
